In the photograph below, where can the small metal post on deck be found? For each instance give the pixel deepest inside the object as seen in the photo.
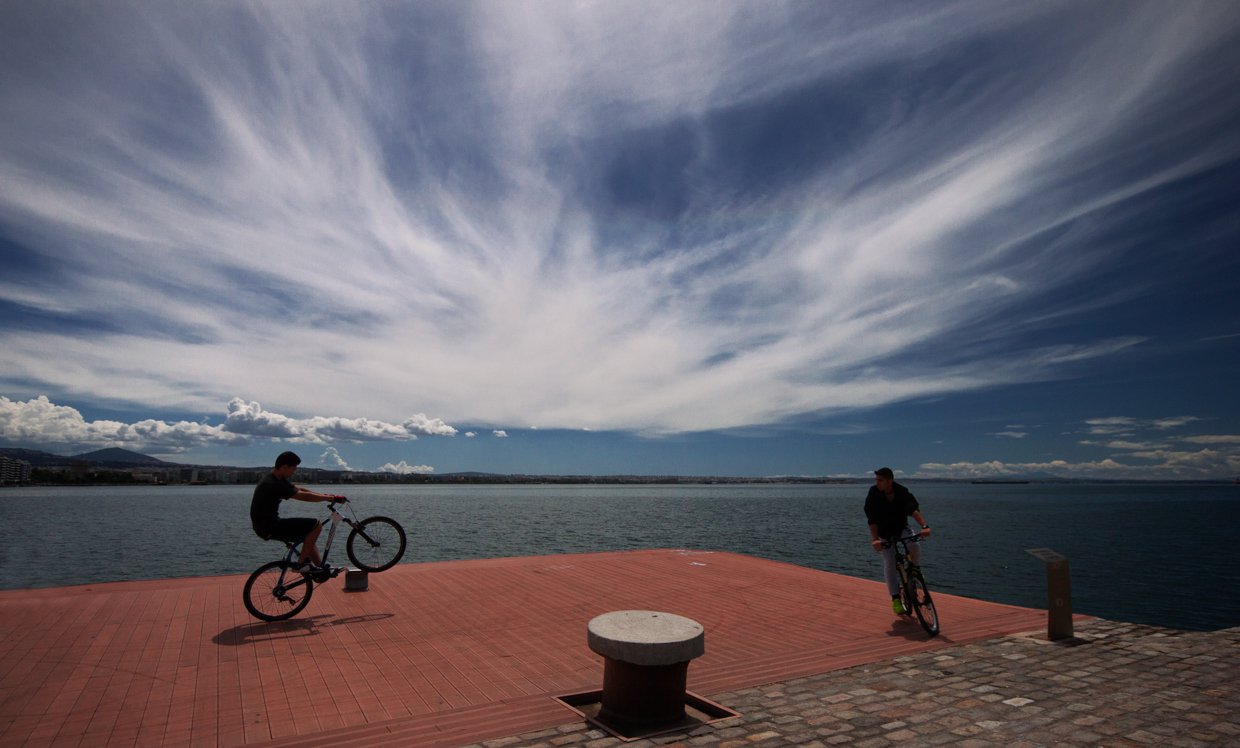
(1058, 594)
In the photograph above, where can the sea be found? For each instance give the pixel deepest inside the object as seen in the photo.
(1144, 553)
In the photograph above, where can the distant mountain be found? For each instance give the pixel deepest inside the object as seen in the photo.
(117, 457)
(35, 457)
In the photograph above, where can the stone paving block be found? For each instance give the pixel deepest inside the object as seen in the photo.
(979, 696)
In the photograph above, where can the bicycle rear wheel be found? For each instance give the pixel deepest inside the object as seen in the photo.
(376, 544)
(273, 593)
(923, 605)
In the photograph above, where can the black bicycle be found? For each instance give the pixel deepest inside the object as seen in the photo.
(913, 593)
(274, 592)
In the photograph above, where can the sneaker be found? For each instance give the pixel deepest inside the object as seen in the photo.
(897, 607)
(305, 568)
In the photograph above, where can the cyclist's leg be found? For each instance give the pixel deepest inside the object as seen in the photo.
(914, 549)
(310, 551)
(304, 530)
(889, 572)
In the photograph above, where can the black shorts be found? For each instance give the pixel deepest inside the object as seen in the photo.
(290, 530)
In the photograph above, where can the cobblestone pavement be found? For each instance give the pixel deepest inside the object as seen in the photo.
(1117, 684)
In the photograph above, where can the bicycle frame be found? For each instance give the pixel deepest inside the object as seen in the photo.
(911, 580)
(294, 549)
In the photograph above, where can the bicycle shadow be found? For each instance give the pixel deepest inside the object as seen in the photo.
(248, 633)
(910, 629)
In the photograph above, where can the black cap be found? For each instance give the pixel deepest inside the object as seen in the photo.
(886, 473)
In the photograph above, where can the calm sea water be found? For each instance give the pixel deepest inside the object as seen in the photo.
(1156, 554)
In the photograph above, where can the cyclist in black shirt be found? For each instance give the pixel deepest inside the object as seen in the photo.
(265, 512)
(888, 506)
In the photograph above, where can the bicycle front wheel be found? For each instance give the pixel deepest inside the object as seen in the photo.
(923, 605)
(906, 591)
(376, 544)
(273, 593)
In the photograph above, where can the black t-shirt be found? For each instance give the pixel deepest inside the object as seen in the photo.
(265, 507)
(892, 515)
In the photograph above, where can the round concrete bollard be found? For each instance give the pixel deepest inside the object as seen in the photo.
(646, 658)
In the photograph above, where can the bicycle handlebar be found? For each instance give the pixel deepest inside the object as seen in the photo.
(915, 539)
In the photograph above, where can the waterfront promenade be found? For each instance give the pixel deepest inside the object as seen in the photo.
(455, 653)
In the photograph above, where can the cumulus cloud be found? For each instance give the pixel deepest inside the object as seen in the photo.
(41, 422)
(471, 433)
(404, 468)
(250, 419)
(499, 432)
(575, 214)
(332, 460)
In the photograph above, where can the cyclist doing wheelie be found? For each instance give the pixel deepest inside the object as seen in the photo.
(265, 512)
(888, 506)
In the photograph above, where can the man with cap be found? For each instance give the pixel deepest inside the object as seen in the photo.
(888, 506)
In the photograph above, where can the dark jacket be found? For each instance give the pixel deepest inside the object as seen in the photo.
(892, 515)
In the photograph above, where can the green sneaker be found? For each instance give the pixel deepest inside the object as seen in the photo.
(897, 607)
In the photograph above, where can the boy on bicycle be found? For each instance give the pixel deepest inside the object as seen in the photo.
(265, 512)
(888, 506)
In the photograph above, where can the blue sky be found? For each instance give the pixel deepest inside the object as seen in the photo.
(963, 239)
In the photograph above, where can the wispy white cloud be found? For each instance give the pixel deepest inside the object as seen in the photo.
(41, 422)
(1213, 439)
(500, 433)
(1012, 434)
(324, 209)
(1155, 464)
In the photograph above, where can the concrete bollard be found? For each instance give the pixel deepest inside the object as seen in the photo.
(356, 580)
(1058, 594)
(646, 658)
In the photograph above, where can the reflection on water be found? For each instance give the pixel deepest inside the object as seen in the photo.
(1136, 552)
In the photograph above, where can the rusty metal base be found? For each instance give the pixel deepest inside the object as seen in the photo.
(698, 711)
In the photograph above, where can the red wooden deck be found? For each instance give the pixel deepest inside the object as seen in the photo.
(434, 654)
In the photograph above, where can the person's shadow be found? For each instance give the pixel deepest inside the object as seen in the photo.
(247, 633)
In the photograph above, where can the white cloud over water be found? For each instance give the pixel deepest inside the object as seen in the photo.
(332, 460)
(568, 214)
(43, 423)
(404, 468)
(1171, 457)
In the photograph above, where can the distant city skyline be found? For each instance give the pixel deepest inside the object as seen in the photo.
(962, 240)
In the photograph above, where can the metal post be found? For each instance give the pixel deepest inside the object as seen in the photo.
(1058, 594)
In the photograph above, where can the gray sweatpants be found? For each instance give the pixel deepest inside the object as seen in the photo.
(889, 562)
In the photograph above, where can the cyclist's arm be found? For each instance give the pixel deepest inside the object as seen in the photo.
(921, 522)
(876, 541)
(304, 494)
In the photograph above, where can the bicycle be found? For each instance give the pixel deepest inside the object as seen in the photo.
(913, 593)
(274, 593)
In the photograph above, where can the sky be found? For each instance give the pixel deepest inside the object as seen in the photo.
(960, 239)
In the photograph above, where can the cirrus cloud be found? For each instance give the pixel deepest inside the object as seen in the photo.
(660, 217)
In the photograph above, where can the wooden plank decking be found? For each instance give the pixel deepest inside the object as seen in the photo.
(434, 654)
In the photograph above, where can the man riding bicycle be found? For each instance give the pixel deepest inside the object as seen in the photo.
(888, 506)
(265, 512)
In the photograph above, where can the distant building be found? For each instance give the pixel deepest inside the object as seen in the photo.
(14, 471)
